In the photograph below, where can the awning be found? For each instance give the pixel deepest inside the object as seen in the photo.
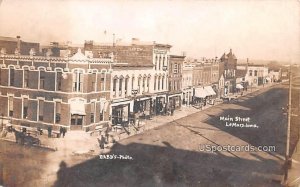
(239, 86)
(209, 90)
(77, 107)
(200, 92)
(143, 98)
(120, 103)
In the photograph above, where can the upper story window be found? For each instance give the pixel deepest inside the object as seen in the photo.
(144, 83)
(57, 112)
(155, 65)
(148, 83)
(26, 78)
(250, 72)
(132, 83)
(159, 63)
(120, 85)
(102, 82)
(10, 106)
(93, 109)
(42, 78)
(93, 76)
(162, 82)
(59, 78)
(255, 72)
(158, 85)
(139, 84)
(126, 85)
(25, 108)
(41, 110)
(78, 81)
(155, 79)
(175, 70)
(115, 85)
(11, 76)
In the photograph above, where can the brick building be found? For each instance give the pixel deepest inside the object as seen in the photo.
(187, 83)
(11, 45)
(228, 66)
(140, 87)
(175, 81)
(39, 91)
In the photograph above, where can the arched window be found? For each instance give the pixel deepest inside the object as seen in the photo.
(78, 80)
(11, 75)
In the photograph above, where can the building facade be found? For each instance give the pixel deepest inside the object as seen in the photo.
(175, 81)
(39, 91)
(228, 67)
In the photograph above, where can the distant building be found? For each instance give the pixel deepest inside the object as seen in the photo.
(228, 67)
(187, 84)
(175, 81)
(9, 45)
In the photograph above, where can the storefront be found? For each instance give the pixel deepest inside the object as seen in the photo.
(77, 111)
(142, 107)
(199, 98)
(174, 101)
(159, 105)
(187, 96)
(120, 112)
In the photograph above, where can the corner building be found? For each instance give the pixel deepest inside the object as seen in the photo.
(38, 91)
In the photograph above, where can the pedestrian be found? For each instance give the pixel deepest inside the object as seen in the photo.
(101, 142)
(49, 131)
(61, 131)
(64, 130)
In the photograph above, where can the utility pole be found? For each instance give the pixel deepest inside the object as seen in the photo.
(287, 153)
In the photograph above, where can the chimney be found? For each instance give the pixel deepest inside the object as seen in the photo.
(19, 43)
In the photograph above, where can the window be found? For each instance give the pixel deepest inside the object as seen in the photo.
(155, 78)
(25, 108)
(162, 82)
(58, 80)
(10, 106)
(93, 76)
(144, 83)
(139, 85)
(148, 83)
(126, 85)
(93, 112)
(114, 86)
(11, 76)
(120, 86)
(78, 81)
(250, 72)
(255, 72)
(102, 83)
(42, 79)
(159, 63)
(41, 110)
(175, 68)
(158, 86)
(57, 112)
(26, 78)
(155, 66)
(132, 83)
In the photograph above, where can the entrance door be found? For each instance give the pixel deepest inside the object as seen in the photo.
(76, 121)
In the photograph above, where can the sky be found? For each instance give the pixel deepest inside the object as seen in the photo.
(265, 30)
